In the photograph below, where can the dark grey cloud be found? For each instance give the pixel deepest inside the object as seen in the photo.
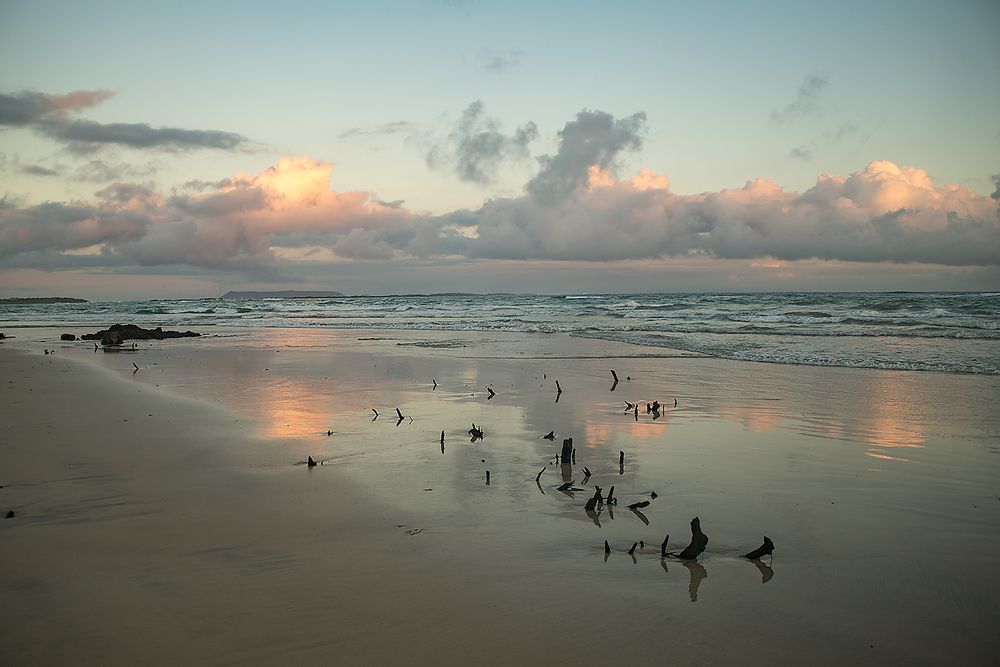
(28, 107)
(84, 135)
(806, 100)
(38, 170)
(49, 115)
(394, 127)
(996, 189)
(476, 146)
(594, 138)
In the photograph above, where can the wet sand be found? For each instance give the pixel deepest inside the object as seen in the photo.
(167, 515)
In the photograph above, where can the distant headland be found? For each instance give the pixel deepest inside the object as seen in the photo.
(41, 299)
(284, 294)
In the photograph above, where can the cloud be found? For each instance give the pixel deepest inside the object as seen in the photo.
(475, 147)
(806, 100)
(38, 170)
(49, 115)
(287, 218)
(883, 213)
(594, 138)
(234, 225)
(85, 136)
(803, 152)
(499, 63)
(996, 182)
(394, 127)
(28, 107)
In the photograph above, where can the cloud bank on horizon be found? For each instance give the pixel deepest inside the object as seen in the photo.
(577, 207)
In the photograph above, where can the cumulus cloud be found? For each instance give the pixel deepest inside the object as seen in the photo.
(806, 100)
(234, 225)
(883, 213)
(594, 138)
(50, 116)
(476, 147)
(288, 216)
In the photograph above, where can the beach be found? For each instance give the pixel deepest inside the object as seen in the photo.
(165, 513)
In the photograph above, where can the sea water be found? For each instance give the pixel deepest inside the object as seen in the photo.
(948, 332)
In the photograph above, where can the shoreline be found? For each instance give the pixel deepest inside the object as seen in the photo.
(846, 469)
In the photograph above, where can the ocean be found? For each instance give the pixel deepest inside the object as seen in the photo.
(944, 332)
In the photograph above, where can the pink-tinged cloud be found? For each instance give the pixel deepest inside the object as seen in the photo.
(288, 215)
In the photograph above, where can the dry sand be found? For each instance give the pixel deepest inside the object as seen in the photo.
(166, 516)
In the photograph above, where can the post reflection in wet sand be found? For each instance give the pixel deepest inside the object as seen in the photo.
(698, 574)
(766, 573)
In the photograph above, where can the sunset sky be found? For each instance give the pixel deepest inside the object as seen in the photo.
(184, 149)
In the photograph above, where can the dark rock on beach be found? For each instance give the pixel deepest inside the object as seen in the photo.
(67, 336)
(118, 333)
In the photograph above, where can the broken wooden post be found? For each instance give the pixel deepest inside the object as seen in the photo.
(611, 496)
(567, 449)
(487, 477)
(663, 547)
(607, 547)
(621, 458)
(586, 471)
(765, 549)
(632, 550)
(699, 540)
(551, 435)
(539, 475)
(639, 505)
(491, 392)
(399, 413)
(435, 384)
(311, 463)
(442, 437)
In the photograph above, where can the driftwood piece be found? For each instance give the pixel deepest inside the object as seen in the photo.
(586, 471)
(607, 547)
(311, 463)
(567, 449)
(663, 547)
(491, 393)
(632, 550)
(398, 413)
(611, 496)
(639, 505)
(699, 540)
(539, 475)
(765, 549)
(551, 435)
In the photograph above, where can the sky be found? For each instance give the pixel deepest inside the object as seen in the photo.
(185, 149)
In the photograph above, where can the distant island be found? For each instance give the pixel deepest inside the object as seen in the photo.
(41, 299)
(284, 294)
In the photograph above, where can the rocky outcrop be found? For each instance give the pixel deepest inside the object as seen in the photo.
(116, 334)
(67, 337)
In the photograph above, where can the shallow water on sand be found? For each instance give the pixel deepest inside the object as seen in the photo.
(879, 488)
